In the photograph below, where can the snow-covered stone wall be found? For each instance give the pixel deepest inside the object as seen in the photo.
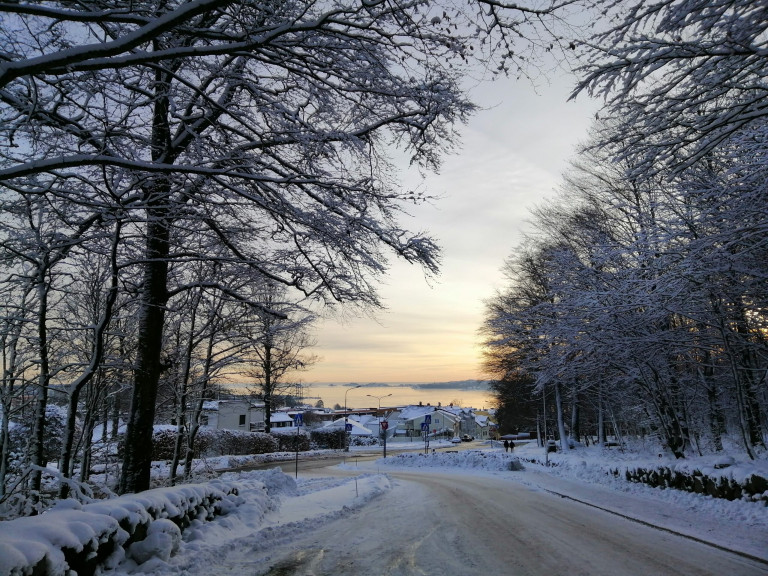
(79, 538)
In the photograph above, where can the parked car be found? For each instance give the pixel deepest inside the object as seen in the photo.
(467, 438)
(455, 440)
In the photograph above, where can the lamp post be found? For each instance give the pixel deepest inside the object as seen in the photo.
(379, 420)
(346, 419)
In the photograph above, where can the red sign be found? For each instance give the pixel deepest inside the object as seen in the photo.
(384, 425)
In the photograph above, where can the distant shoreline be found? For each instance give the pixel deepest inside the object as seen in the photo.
(464, 393)
(454, 385)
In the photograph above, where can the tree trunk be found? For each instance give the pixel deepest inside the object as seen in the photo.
(66, 462)
(9, 344)
(564, 444)
(575, 428)
(137, 456)
(181, 411)
(195, 420)
(37, 433)
(153, 297)
(268, 392)
(600, 417)
(4, 449)
(715, 412)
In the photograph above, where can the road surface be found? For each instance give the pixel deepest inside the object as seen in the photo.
(447, 524)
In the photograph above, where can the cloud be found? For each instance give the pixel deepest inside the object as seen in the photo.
(512, 158)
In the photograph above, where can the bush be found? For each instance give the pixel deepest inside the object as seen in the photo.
(363, 441)
(235, 442)
(289, 442)
(332, 439)
(210, 442)
(53, 433)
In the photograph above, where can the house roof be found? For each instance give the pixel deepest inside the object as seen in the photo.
(411, 412)
(418, 413)
(357, 428)
(213, 405)
(280, 417)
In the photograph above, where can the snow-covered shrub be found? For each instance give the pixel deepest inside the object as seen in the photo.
(211, 442)
(290, 441)
(236, 442)
(331, 439)
(363, 441)
(20, 434)
(163, 442)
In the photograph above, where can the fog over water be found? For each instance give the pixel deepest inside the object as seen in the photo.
(472, 394)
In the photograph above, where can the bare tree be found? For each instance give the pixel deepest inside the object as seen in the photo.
(264, 126)
(275, 347)
(684, 76)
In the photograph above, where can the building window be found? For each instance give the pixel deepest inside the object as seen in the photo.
(242, 420)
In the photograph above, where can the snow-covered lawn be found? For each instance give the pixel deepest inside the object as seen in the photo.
(271, 505)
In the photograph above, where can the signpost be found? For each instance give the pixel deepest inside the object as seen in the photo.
(384, 425)
(425, 431)
(298, 420)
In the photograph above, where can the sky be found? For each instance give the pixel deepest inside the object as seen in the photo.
(514, 152)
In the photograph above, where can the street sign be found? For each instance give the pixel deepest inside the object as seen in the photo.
(425, 426)
(384, 425)
(298, 419)
(348, 427)
(428, 419)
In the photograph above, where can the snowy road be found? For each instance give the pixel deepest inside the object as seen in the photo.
(434, 522)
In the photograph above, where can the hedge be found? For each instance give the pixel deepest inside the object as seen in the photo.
(754, 487)
(212, 442)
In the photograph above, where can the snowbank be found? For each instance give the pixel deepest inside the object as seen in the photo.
(717, 476)
(85, 537)
(467, 459)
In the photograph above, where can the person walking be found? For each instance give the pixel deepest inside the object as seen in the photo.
(506, 445)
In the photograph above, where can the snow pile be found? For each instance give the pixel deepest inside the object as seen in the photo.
(474, 459)
(598, 468)
(298, 507)
(719, 476)
(140, 527)
(169, 529)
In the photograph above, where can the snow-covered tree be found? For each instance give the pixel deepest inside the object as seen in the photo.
(263, 126)
(683, 75)
(274, 347)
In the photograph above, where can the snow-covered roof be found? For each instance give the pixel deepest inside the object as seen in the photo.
(357, 428)
(280, 417)
(411, 412)
(213, 405)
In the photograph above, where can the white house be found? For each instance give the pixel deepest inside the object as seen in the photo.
(437, 419)
(280, 420)
(482, 427)
(234, 414)
(357, 428)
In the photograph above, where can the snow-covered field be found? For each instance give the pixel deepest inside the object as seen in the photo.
(274, 506)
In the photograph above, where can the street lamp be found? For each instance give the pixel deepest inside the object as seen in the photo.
(346, 419)
(379, 420)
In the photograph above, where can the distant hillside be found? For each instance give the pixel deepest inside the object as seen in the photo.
(460, 384)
